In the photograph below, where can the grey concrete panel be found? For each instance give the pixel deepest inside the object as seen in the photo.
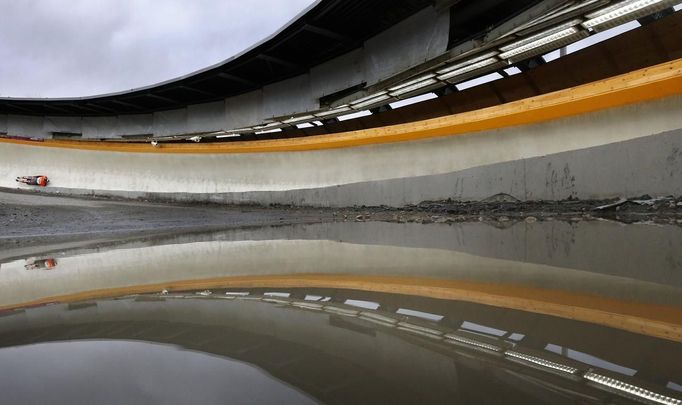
(288, 97)
(413, 41)
(172, 122)
(244, 110)
(63, 124)
(641, 166)
(623, 252)
(136, 124)
(26, 126)
(525, 161)
(3, 123)
(337, 74)
(206, 117)
(649, 165)
(99, 127)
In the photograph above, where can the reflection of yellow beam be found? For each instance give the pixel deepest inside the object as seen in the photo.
(641, 85)
(646, 319)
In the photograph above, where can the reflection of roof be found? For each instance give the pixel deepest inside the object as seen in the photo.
(299, 341)
(328, 28)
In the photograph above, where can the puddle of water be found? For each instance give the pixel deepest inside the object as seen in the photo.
(354, 312)
(117, 371)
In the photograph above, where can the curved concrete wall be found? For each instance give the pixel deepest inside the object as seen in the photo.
(587, 142)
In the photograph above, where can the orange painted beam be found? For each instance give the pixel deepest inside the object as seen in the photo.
(647, 319)
(642, 85)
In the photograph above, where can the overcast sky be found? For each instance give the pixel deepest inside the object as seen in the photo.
(65, 48)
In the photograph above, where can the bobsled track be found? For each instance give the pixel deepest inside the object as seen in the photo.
(620, 136)
(283, 123)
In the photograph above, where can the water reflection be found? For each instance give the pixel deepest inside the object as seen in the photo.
(372, 312)
(338, 346)
(133, 372)
(40, 264)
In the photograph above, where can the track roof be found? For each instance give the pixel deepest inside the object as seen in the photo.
(325, 30)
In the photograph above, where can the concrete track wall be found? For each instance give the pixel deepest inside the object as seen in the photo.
(581, 142)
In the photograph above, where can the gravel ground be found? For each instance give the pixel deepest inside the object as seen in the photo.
(505, 209)
(30, 219)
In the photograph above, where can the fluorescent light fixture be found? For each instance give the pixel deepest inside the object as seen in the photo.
(369, 102)
(423, 329)
(340, 311)
(307, 305)
(420, 332)
(371, 96)
(590, 359)
(539, 43)
(452, 338)
(299, 119)
(276, 301)
(228, 136)
(337, 110)
(540, 36)
(630, 389)
(541, 362)
(413, 87)
(376, 321)
(467, 62)
(411, 82)
(266, 126)
(570, 9)
(625, 11)
(268, 131)
(378, 317)
(468, 68)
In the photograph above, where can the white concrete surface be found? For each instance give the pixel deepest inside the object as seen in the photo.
(200, 176)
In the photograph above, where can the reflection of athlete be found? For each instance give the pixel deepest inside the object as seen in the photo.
(42, 264)
(34, 180)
